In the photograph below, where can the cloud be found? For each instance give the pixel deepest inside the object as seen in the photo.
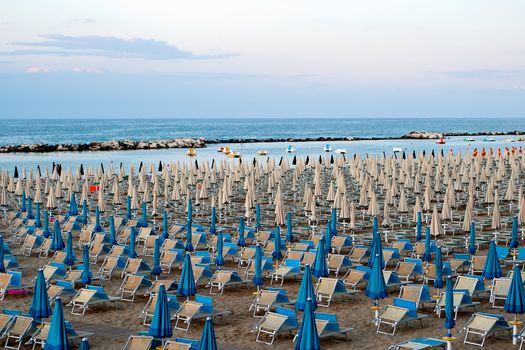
(83, 20)
(89, 70)
(107, 46)
(486, 74)
(49, 69)
(38, 69)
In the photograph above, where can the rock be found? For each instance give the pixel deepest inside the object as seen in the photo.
(141, 145)
(422, 135)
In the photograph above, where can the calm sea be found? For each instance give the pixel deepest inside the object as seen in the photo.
(18, 131)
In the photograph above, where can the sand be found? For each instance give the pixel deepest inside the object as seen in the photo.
(235, 331)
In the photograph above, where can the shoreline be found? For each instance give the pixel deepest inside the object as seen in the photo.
(129, 145)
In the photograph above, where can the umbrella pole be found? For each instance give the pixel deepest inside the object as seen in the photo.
(515, 325)
(449, 339)
(376, 312)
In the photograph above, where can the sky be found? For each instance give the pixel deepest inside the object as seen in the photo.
(272, 58)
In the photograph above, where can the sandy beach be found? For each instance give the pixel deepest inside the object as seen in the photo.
(423, 182)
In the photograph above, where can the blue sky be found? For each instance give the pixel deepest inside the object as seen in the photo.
(238, 58)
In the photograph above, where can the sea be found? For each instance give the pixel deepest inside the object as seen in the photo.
(53, 131)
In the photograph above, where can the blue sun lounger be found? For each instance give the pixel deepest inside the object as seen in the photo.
(420, 344)
(276, 322)
(193, 343)
(462, 300)
(402, 312)
(328, 325)
(482, 325)
(503, 252)
(290, 268)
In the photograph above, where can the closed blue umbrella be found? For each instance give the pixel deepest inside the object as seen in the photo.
(257, 274)
(188, 246)
(57, 336)
(73, 209)
(328, 238)
(165, 228)
(85, 277)
(23, 202)
(257, 217)
(84, 344)
(38, 216)
(376, 251)
(46, 232)
(208, 341)
(70, 259)
(449, 307)
(472, 239)
(376, 286)
(492, 267)
(241, 242)
(515, 302)
(190, 210)
(438, 282)
(320, 265)
(213, 224)
(84, 219)
(219, 259)
(2, 266)
(307, 338)
(144, 221)
(514, 240)
(57, 242)
(160, 326)
(186, 285)
(277, 254)
(40, 307)
(112, 231)
(427, 256)
(289, 227)
(334, 222)
(132, 241)
(128, 208)
(306, 291)
(419, 227)
(29, 214)
(98, 226)
(156, 270)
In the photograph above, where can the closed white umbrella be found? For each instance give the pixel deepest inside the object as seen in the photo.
(101, 202)
(496, 215)
(402, 206)
(279, 207)
(417, 209)
(51, 199)
(435, 223)
(3, 196)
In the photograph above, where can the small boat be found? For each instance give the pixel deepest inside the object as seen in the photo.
(340, 151)
(327, 148)
(290, 149)
(510, 140)
(262, 152)
(191, 152)
(233, 154)
(397, 149)
(469, 139)
(221, 149)
(226, 150)
(489, 139)
(521, 139)
(441, 141)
